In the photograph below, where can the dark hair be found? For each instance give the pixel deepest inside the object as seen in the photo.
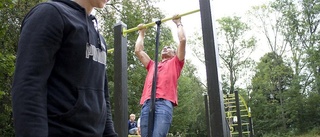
(172, 47)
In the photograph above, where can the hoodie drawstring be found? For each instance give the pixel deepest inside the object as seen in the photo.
(97, 31)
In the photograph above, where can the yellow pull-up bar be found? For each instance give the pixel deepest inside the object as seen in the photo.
(124, 33)
(153, 23)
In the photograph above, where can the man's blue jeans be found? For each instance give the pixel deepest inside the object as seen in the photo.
(162, 118)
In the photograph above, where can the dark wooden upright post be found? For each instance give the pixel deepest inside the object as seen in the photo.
(120, 81)
(219, 127)
(206, 104)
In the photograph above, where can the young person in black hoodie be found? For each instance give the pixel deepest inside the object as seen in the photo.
(60, 84)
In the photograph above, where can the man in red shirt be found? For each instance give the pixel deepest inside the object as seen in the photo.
(169, 70)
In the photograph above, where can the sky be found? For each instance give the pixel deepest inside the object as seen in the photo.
(219, 8)
(192, 22)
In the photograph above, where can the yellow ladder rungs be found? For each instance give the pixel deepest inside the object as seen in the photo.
(245, 132)
(243, 124)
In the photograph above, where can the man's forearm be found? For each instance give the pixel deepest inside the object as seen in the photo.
(181, 35)
(139, 43)
(182, 41)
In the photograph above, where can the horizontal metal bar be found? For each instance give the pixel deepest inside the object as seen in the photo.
(153, 23)
(124, 31)
(110, 50)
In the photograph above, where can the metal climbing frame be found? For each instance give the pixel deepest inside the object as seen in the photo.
(238, 115)
(218, 125)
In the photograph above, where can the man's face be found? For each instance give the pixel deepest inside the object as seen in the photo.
(98, 3)
(168, 51)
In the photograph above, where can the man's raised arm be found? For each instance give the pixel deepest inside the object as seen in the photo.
(139, 47)
(181, 51)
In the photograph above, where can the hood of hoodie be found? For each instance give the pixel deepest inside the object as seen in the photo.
(89, 18)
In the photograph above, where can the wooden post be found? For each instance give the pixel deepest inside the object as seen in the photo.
(219, 127)
(120, 81)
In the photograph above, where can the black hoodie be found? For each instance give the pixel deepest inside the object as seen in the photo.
(60, 86)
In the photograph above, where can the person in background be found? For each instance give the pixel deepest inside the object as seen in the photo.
(60, 85)
(169, 70)
(132, 125)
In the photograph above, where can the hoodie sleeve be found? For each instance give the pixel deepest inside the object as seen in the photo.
(109, 127)
(40, 38)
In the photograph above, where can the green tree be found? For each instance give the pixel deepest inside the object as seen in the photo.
(267, 22)
(6, 73)
(310, 36)
(270, 83)
(291, 29)
(236, 48)
(311, 113)
(189, 115)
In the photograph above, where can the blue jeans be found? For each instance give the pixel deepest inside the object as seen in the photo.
(162, 118)
(133, 131)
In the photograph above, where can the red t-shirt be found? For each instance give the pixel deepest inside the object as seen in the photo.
(167, 82)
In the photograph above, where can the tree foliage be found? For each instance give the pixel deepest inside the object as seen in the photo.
(270, 83)
(294, 27)
(235, 50)
(189, 115)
